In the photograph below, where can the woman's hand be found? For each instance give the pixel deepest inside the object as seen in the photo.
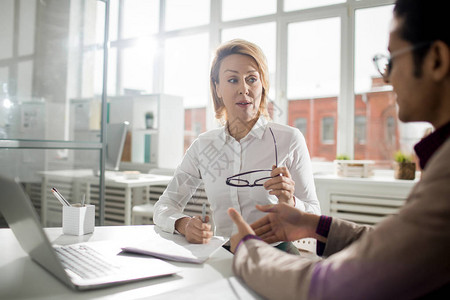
(195, 231)
(281, 185)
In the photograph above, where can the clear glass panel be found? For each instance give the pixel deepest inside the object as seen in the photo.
(94, 23)
(304, 4)
(99, 26)
(53, 66)
(112, 71)
(237, 9)
(24, 79)
(313, 82)
(182, 14)
(70, 171)
(113, 20)
(7, 26)
(374, 99)
(194, 124)
(26, 27)
(140, 18)
(4, 73)
(263, 35)
(137, 67)
(191, 81)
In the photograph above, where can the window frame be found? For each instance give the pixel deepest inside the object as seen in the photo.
(344, 138)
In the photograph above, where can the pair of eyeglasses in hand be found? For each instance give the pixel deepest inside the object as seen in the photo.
(236, 181)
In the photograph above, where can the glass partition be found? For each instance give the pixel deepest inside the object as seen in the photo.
(51, 79)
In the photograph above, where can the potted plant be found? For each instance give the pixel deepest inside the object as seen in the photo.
(404, 167)
(149, 118)
(342, 157)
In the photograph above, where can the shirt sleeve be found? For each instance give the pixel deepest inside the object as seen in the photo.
(169, 208)
(301, 172)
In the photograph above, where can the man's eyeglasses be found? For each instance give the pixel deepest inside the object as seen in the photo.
(238, 182)
(383, 63)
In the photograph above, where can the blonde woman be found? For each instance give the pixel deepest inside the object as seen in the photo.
(247, 161)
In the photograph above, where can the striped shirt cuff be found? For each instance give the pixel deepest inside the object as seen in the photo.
(323, 228)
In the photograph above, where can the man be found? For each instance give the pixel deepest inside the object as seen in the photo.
(407, 256)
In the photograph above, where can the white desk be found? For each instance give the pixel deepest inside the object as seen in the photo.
(21, 278)
(77, 182)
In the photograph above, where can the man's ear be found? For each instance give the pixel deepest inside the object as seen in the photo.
(439, 63)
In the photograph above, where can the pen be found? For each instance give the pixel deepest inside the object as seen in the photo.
(204, 212)
(60, 197)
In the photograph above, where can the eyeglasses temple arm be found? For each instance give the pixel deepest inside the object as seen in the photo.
(275, 144)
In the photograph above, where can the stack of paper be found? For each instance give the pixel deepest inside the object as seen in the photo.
(175, 247)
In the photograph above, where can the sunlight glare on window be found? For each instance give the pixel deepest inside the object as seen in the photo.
(182, 14)
(238, 9)
(137, 68)
(371, 28)
(141, 18)
(313, 58)
(187, 72)
(290, 5)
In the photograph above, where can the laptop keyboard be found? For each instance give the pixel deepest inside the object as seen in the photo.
(85, 261)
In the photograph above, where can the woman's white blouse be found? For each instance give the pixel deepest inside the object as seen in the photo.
(215, 155)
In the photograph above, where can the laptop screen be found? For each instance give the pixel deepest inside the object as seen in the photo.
(23, 220)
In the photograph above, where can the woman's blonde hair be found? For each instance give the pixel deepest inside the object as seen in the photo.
(238, 46)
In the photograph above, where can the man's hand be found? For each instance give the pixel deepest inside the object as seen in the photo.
(195, 231)
(243, 227)
(284, 223)
(281, 185)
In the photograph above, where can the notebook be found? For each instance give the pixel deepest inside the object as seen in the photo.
(175, 247)
(19, 213)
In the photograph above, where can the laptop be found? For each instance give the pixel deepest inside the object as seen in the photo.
(65, 262)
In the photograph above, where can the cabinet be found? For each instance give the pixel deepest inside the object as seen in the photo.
(361, 200)
(156, 127)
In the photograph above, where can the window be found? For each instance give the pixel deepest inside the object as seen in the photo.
(237, 9)
(390, 131)
(137, 67)
(300, 123)
(140, 18)
(313, 72)
(183, 14)
(360, 130)
(327, 136)
(373, 97)
(308, 48)
(313, 58)
(186, 73)
(304, 4)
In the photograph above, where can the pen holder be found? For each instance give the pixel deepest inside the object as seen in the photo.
(78, 220)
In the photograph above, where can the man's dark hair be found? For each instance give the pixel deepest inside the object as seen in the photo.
(424, 21)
